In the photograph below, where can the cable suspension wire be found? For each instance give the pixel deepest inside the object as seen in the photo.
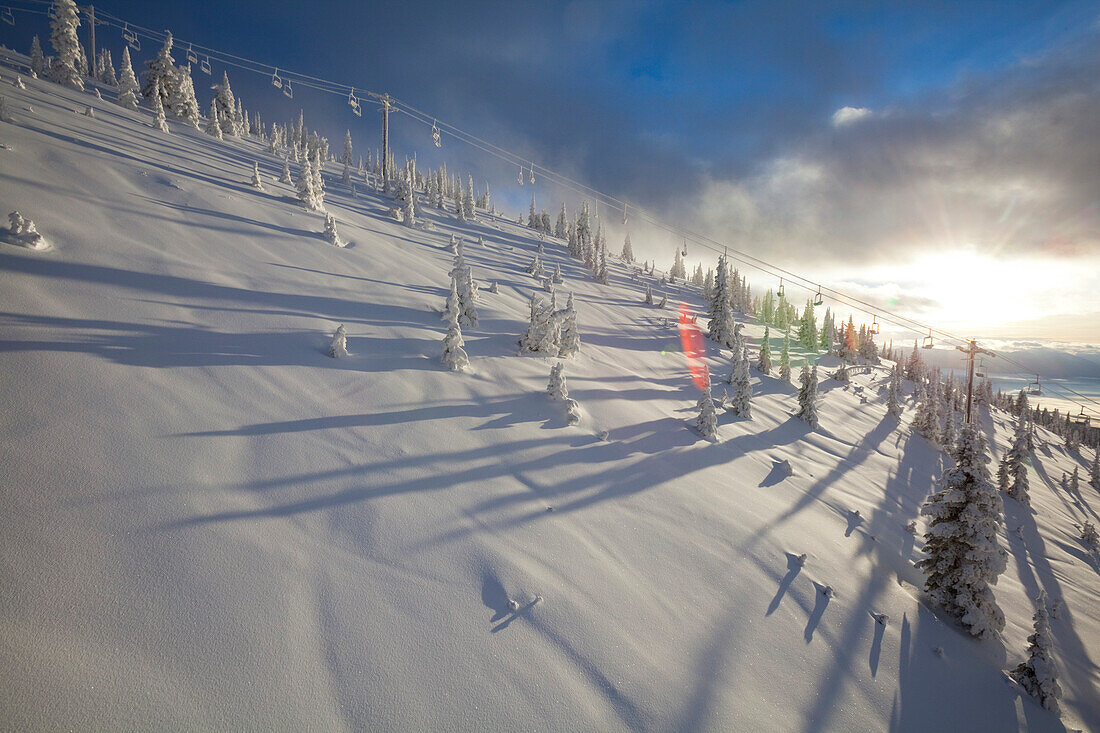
(554, 177)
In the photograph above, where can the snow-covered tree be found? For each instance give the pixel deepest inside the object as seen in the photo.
(556, 389)
(226, 105)
(467, 291)
(1094, 471)
(664, 301)
(677, 270)
(893, 403)
(181, 100)
(105, 68)
(284, 177)
(648, 295)
(964, 558)
(127, 84)
(841, 374)
(331, 235)
(926, 422)
(64, 20)
(159, 121)
(741, 402)
(1013, 476)
(454, 356)
(213, 127)
(807, 327)
(764, 362)
(947, 435)
(570, 334)
(256, 182)
(628, 251)
(785, 358)
(306, 195)
(721, 325)
(1038, 675)
(535, 268)
(160, 75)
(544, 331)
(707, 422)
(38, 61)
(807, 396)
(339, 347)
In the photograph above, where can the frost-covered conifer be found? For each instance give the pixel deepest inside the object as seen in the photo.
(721, 325)
(226, 105)
(570, 334)
(707, 422)
(23, 229)
(964, 557)
(535, 268)
(807, 396)
(331, 235)
(926, 422)
(741, 402)
(543, 331)
(841, 374)
(664, 301)
(18, 84)
(339, 347)
(306, 195)
(1015, 468)
(284, 177)
(462, 274)
(160, 75)
(1038, 675)
(38, 61)
(1091, 539)
(785, 358)
(256, 182)
(556, 389)
(628, 251)
(182, 101)
(648, 295)
(1094, 471)
(64, 20)
(1075, 481)
(127, 84)
(213, 126)
(947, 436)
(893, 404)
(454, 357)
(159, 121)
(764, 362)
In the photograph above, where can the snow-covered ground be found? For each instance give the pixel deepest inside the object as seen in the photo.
(210, 523)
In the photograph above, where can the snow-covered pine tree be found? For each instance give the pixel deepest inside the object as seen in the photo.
(807, 396)
(1015, 467)
(466, 289)
(318, 181)
(127, 84)
(556, 388)
(601, 261)
(306, 195)
(1038, 675)
(331, 235)
(256, 182)
(182, 101)
(64, 20)
(339, 347)
(914, 367)
(677, 270)
(1094, 470)
(627, 255)
(160, 74)
(707, 422)
(764, 362)
(240, 124)
(284, 177)
(468, 198)
(741, 403)
(785, 358)
(893, 403)
(964, 558)
(105, 68)
(454, 356)
(159, 122)
(543, 332)
(213, 126)
(38, 61)
(347, 157)
(570, 334)
(226, 105)
(648, 295)
(807, 327)
(926, 422)
(947, 435)
(841, 374)
(664, 301)
(721, 326)
(535, 268)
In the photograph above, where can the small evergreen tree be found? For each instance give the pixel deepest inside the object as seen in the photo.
(648, 295)
(105, 68)
(1015, 469)
(707, 422)
(741, 404)
(570, 335)
(226, 105)
(628, 251)
(38, 61)
(331, 235)
(182, 101)
(339, 347)
(213, 127)
(785, 358)
(893, 404)
(284, 177)
(926, 422)
(1094, 470)
(964, 558)
(807, 397)
(467, 291)
(256, 182)
(841, 374)
(160, 75)
(64, 20)
(159, 121)
(127, 84)
(721, 326)
(1038, 675)
(764, 362)
(306, 195)
(454, 356)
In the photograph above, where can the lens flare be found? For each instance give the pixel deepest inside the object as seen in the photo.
(691, 339)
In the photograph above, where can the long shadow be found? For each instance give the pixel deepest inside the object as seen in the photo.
(794, 567)
(821, 602)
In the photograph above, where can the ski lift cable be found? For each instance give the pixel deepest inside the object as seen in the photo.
(326, 86)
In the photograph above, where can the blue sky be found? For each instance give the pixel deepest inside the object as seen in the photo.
(721, 115)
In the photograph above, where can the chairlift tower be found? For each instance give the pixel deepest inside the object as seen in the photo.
(972, 349)
(90, 11)
(387, 105)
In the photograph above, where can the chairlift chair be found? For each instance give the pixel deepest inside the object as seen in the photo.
(205, 65)
(1035, 388)
(276, 81)
(192, 57)
(928, 343)
(1082, 419)
(780, 292)
(624, 214)
(435, 135)
(519, 178)
(7, 16)
(130, 37)
(818, 299)
(353, 101)
(532, 170)
(980, 371)
(357, 111)
(288, 90)
(874, 325)
(684, 251)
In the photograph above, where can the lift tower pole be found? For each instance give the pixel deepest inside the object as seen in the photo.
(972, 349)
(91, 37)
(386, 106)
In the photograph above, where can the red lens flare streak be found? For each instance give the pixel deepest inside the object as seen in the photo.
(691, 339)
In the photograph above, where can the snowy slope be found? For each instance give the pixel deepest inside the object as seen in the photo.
(209, 523)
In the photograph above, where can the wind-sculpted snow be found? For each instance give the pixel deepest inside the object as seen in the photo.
(210, 523)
